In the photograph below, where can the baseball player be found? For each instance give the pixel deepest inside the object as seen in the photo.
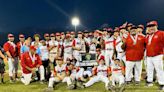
(117, 45)
(47, 39)
(109, 49)
(53, 49)
(11, 51)
(102, 72)
(77, 47)
(134, 48)
(77, 74)
(20, 44)
(67, 45)
(31, 62)
(60, 74)
(118, 72)
(155, 52)
(45, 61)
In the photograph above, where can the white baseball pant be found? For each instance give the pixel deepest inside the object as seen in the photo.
(13, 66)
(97, 79)
(66, 56)
(117, 78)
(156, 63)
(137, 65)
(26, 78)
(52, 80)
(108, 57)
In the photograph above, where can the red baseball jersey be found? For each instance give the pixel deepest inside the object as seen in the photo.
(155, 44)
(135, 51)
(27, 60)
(11, 47)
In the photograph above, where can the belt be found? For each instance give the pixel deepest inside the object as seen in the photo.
(121, 52)
(53, 53)
(108, 49)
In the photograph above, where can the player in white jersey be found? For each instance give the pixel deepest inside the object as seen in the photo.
(118, 49)
(109, 49)
(118, 72)
(60, 74)
(77, 74)
(53, 49)
(77, 47)
(67, 46)
(92, 48)
(101, 74)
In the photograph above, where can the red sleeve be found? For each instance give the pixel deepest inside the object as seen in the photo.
(74, 43)
(109, 70)
(6, 47)
(23, 57)
(55, 70)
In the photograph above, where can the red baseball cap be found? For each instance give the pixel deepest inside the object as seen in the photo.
(10, 35)
(152, 23)
(129, 25)
(52, 35)
(80, 32)
(122, 27)
(72, 33)
(46, 35)
(62, 33)
(21, 36)
(141, 26)
(33, 48)
(57, 34)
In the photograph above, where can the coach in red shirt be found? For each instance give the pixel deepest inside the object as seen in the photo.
(155, 53)
(11, 52)
(30, 62)
(134, 50)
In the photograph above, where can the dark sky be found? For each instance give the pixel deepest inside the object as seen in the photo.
(21, 14)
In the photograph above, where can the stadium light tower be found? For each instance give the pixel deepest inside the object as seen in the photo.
(75, 22)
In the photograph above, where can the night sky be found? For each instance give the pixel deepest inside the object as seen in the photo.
(18, 16)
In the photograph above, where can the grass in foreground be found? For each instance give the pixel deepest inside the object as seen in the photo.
(61, 87)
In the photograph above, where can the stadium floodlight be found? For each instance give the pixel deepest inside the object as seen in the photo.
(75, 22)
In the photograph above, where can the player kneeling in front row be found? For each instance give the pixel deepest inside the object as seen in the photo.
(31, 62)
(118, 72)
(101, 74)
(77, 74)
(60, 74)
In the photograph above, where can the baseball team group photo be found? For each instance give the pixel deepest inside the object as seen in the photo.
(119, 56)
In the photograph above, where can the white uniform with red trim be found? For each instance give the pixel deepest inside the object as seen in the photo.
(117, 76)
(87, 40)
(102, 72)
(67, 45)
(77, 73)
(92, 48)
(53, 52)
(119, 50)
(61, 71)
(77, 43)
(109, 50)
